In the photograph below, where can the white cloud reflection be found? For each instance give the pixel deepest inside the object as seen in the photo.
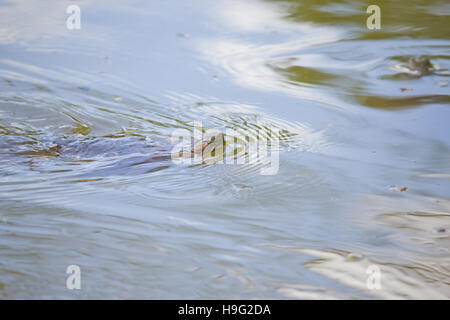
(252, 64)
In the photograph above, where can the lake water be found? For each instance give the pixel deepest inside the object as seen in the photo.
(359, 203)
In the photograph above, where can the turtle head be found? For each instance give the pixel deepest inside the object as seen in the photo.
(215, 144)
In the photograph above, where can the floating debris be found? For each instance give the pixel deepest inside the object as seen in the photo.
(84, 88)
(394, 188)
(117, 99)
(353, 257)
(417, 67)
(405, 89)
(239, 186)
(182, 35)
(443, 83)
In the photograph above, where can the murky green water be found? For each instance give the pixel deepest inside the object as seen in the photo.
(86, 118)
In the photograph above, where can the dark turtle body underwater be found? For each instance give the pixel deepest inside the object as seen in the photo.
(101, 156)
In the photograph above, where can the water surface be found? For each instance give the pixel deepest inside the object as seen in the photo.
(354, 131)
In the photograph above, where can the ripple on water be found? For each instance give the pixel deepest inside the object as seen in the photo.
(71, 143)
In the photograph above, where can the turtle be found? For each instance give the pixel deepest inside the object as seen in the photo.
(112, 155)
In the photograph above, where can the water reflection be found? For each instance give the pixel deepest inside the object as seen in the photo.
(315, 59)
